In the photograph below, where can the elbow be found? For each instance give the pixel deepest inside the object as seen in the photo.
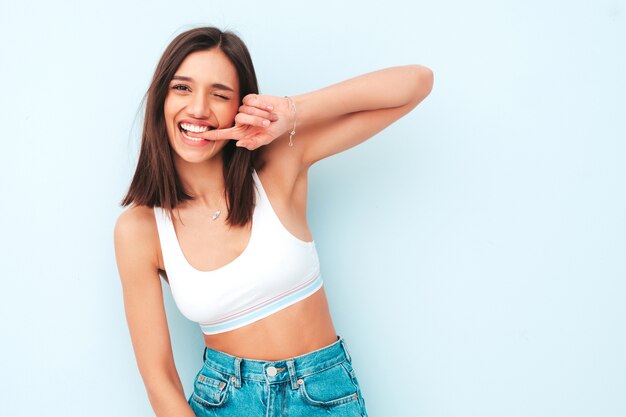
(161, 382)
(164, 395)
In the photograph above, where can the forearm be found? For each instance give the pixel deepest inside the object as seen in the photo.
(386, 88)
(168, 400)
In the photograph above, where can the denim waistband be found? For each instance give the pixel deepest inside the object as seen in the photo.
(279, 371)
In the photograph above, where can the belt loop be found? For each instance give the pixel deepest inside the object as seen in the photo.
(204, 355)
(345, 349)
(237, 372)
(292, 374)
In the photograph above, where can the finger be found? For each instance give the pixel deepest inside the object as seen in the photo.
(248, 145)
(253, 142)
(220, 134)
(253, 111)
(255, 101)
(246, 119)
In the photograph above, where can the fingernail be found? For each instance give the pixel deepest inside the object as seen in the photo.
(270, 107)
(266, 122)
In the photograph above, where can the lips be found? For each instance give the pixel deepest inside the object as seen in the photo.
(194, 127)
(189, 129)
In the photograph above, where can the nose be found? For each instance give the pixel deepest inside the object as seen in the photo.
(199, 106)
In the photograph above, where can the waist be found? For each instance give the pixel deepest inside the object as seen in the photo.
(277, 371)
(295, 330)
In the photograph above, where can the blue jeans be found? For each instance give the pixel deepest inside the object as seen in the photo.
(319, 383)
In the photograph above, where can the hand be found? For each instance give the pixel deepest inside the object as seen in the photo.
(261, 119)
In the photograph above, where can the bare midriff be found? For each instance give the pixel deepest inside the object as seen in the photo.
(293, 331)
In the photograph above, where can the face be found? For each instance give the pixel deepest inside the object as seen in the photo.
(202, 95)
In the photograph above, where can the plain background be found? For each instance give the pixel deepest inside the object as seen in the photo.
(473, 252)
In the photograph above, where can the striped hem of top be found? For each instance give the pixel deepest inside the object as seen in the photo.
(265, 310)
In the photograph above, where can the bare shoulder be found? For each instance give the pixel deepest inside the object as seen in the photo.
(135, 219)
(136, 236)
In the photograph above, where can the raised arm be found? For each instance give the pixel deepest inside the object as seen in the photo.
(345, 114)
(331, 119)
(143, 302)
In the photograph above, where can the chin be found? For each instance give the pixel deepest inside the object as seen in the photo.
(208, 153)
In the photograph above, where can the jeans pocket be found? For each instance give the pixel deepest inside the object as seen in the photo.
(329, 388)
(211, 388)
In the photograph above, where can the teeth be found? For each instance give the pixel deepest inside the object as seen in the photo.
(194, 128)
(190, 138)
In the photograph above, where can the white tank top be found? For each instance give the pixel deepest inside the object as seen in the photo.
(274, 271)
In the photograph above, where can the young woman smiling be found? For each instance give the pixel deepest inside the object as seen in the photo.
(217, 208)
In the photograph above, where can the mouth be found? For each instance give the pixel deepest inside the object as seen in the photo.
(189, 130)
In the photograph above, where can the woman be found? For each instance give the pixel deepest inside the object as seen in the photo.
(218, 209)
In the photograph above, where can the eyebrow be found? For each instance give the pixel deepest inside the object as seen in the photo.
(214, 85)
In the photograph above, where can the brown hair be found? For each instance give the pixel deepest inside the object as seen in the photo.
(156, 182)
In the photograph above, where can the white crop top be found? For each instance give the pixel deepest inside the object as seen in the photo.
(274, 271)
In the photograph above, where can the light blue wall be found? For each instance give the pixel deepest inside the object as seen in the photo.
(473, 253)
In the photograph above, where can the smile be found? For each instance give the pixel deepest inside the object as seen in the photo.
(187, 128)
(195, 128)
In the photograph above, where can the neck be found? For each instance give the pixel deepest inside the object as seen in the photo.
(204, 181)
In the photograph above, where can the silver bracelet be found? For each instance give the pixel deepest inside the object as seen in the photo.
(295, 114)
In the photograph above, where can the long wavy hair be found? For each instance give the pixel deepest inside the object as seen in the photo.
(156, 182)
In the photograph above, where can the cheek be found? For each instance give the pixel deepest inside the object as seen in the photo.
(169, 113)
(169, 122)
(225, 118)
(170, 129)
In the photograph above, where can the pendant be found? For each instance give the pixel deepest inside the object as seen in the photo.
(216, 214)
